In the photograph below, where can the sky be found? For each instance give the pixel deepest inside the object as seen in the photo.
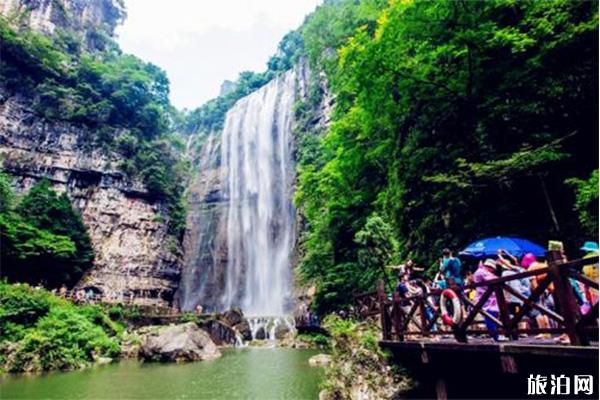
(201, 43)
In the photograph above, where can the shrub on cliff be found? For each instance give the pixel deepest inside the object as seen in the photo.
(41, 332)
(586, 201)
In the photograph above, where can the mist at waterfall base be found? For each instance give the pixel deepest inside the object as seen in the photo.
(255, 227)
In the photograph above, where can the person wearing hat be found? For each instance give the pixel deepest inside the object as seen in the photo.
(486, 271)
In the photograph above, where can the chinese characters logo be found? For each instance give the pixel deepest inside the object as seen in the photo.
(560, 385)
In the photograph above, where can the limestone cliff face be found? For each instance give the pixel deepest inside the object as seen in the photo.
(127, 228)
(135, 256)
(86, 17)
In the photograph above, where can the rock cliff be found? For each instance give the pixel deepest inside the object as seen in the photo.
(88, 18)
(135, 256)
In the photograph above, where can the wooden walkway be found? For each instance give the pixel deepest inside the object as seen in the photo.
(486, 345)
(457, 358)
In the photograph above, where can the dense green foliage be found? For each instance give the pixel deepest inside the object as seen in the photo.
(454, 120)
(586, 202)
(43, 238)
(122, 100)
(98, 89)
(40, 332)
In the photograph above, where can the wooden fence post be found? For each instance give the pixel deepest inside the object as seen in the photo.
(564, 299)
(385, 318)
(504, 313)
(397, 316)
(424, 320)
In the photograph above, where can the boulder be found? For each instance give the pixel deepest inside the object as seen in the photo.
(243, 328)
(281, 331)
(177, 343)
(220, 333)
(320, 360)
(233, 317)
(103, 360)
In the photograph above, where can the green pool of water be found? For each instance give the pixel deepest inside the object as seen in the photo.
(250, 373)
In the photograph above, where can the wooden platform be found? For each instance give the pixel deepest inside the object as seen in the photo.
(525, 346)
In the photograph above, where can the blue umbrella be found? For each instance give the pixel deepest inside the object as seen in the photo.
(489, 247)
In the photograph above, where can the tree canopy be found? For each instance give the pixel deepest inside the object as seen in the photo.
(453, 120)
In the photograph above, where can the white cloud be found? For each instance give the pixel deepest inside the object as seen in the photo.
(200, 43)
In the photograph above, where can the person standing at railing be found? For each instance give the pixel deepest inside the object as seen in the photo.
(546, 300)
(486, 272)
(510, 266)
(450, 270)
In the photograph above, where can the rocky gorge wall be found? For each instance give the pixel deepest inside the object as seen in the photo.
(135, 255)
(125, 225)
(85, 17)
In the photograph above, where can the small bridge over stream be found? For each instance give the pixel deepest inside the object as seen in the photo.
(461, 360)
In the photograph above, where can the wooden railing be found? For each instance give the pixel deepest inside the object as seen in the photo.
(420, 316)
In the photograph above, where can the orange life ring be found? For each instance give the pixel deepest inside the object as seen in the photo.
(456, 317)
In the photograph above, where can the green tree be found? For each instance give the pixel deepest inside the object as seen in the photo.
(453, 120)
(44, 239)
(586, 202)
(6, 194)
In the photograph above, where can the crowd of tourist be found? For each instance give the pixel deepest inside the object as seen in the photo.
(464, 277)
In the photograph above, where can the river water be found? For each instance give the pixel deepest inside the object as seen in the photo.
(249, 373)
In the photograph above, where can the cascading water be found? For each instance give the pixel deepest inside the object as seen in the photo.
(241, 224)
(266, 328)
(260, 221)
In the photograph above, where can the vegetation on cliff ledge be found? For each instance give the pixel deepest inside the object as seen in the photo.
(43, 238)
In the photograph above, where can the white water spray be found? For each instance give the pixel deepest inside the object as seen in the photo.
(256, 154)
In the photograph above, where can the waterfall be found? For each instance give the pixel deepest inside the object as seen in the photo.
(256, 154)
(266, 328)
(241, 223)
